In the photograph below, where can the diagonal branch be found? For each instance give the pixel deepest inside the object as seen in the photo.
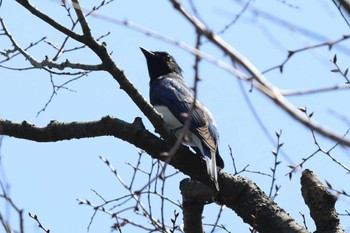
(346, 5)
(82, 20)
(259, 81)
(107, 62)
(50, 21)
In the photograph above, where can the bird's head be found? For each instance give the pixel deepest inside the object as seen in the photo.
(160, 63)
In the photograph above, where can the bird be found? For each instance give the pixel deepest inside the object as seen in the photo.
(174, 100)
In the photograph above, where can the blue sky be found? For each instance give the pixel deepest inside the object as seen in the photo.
(47, 178)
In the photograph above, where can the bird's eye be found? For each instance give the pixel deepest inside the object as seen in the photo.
(168, 57)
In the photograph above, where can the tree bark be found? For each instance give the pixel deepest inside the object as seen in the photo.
(238, 193)
(194, 196)
(321, 204)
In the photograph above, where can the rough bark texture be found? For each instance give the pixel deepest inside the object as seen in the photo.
(194, 196)
(254, 206)
(321, 204)
(238, 193)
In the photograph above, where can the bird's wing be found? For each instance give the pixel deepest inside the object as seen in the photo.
(178, 97)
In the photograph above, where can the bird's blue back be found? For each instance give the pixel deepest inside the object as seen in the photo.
(174, 100)
(171, 91)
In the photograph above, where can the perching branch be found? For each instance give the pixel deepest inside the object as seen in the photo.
(58, 131)
(238, 193)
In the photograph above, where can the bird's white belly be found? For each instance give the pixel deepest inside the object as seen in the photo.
(168, 117)
(173, 123)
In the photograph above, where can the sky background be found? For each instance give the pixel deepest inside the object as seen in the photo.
(47, 178)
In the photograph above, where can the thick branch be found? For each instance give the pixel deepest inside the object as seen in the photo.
(194, 196)
(238, 193)
(321, 204)
(58, 131)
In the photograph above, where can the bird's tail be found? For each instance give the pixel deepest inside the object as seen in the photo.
(212, 169)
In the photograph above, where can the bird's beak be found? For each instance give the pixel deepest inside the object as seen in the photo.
(147, 53)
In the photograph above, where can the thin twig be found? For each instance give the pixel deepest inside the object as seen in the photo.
(276, 163)
(40, 225)
(291, 53)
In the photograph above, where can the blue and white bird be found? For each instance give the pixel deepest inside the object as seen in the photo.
(171, 97)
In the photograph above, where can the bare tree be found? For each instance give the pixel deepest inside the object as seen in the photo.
(239, 194)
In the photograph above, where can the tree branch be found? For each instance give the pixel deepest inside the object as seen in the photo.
(107, 62)
(58, 131)
(238, 193)
(259, 81)
(314, 91)
(346, 5)
(50, 21)
(321, 204)
(47, 62)
(194, 196)
(82, 20)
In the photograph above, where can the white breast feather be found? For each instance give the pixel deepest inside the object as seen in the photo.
(176, 125)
